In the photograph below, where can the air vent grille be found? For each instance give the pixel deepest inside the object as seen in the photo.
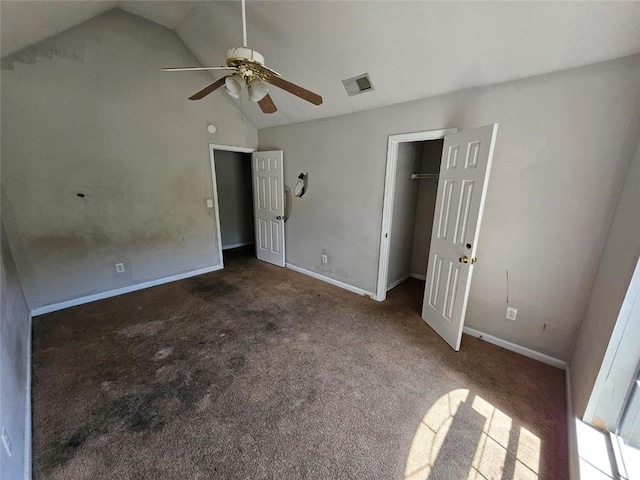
(357, 85)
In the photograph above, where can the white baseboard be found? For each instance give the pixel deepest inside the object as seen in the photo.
(337, 283)
(120, 291)
(419, 276)
(397, 282)
(237, 245)
(527, 352)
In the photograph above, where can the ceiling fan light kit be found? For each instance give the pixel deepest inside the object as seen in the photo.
(233, 84)
(250, 71)
(257, 90)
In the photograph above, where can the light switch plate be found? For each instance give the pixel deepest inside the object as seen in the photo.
(209, 203)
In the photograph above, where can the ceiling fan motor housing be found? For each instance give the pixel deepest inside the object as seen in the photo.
(239, 55)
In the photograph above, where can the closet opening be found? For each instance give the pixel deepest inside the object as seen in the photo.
(416, 188)
(231, 171)
(411, 186)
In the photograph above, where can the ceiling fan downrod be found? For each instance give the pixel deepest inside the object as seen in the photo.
(244, 25)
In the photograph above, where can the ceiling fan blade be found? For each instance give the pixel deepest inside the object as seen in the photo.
(267, 105)
(296, 90)
(208, 89)
(193, 69)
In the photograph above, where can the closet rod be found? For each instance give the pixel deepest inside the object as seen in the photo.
(418, 176)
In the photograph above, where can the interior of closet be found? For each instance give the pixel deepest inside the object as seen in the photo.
(235, 198)
(416, 185)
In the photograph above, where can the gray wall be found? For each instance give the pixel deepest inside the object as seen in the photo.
(88, 112)
(405, 204)
(610, 285)
(563, 149)
(235, 197)
(14, 366)
(431, 155)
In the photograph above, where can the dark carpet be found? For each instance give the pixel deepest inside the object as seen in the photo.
(258, 372)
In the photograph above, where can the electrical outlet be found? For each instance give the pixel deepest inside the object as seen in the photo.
(512, 313)
(325, 259)
(6, 440)
(209, 203)
(119, 268)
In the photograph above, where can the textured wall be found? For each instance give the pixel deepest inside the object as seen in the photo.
(87, 112)
(14, 366)
(563, 149)
(615, 270)
(235, 197)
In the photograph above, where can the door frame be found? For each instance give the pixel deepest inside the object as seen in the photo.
(389, 197)
(216, 207)
(620, 396)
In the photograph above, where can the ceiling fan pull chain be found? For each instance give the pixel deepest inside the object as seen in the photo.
(241, 102)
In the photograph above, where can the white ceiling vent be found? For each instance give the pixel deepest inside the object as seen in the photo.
(356, 85)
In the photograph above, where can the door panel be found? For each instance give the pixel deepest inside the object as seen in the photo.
(462, 190)
(267, 168)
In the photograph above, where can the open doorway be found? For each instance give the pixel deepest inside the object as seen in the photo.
(232, 177)
(411, 186)
(416, 188)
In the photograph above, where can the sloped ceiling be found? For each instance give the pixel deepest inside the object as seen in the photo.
(411, 49)
(24, 23)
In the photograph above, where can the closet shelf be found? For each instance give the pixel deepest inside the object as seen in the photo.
(420, 176)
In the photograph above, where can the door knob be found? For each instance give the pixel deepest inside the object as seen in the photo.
(279, 217)
(466, 259)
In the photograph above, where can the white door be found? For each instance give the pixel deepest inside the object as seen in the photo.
(268, 205)
(462, 188)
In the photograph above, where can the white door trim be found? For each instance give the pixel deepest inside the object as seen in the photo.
(389, 194)
(216, 206)
(232, 148)
(624, 318)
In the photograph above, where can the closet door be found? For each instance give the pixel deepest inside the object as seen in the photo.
(462, 187)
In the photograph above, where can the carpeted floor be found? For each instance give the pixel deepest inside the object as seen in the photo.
(259, 372)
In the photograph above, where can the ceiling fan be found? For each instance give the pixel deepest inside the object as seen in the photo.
(250, 71)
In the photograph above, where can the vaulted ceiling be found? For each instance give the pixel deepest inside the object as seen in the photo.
(410, 49)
